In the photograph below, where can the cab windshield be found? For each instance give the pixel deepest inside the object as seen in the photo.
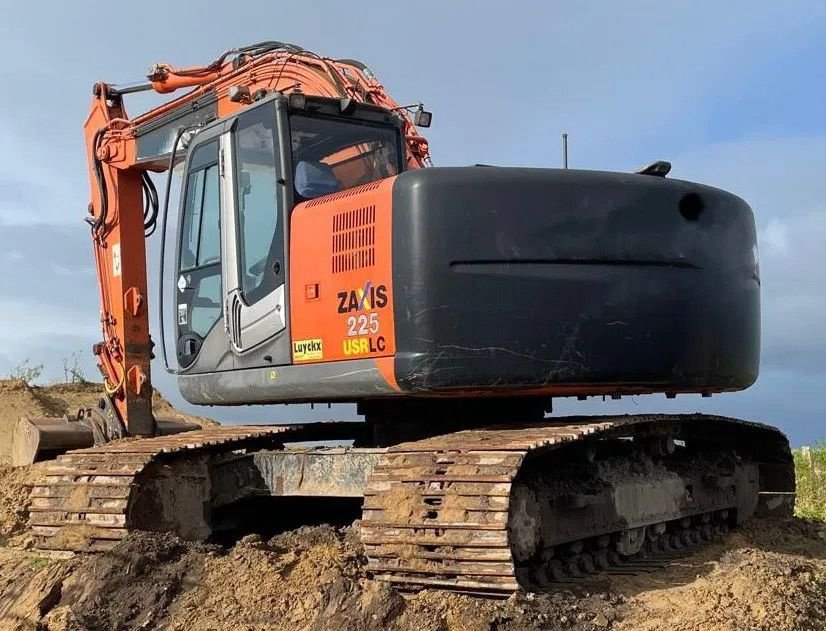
(332, 154)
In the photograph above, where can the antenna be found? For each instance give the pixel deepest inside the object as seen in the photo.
(564, 151)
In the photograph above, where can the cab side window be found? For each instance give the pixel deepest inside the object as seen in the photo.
(199, 266)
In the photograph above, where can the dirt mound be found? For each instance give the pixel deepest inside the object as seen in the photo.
(19, 399)
(772, 576)
(133, 586)
(16, 400)
(311, 578)
(749, 589)
(15, 488)
(30, 587)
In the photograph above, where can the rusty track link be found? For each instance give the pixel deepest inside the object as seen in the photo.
(436, 510)
(84, 503)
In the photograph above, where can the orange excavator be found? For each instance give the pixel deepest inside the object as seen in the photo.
(319, 258)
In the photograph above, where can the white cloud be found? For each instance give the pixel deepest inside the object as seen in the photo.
(28, 323)
(778, 177)
(774, 238)
(72, 271)
(794, 291)
(35, 189)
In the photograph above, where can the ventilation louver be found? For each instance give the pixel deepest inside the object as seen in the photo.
(354, 239)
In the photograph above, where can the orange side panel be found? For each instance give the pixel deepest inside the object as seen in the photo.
(341, 276)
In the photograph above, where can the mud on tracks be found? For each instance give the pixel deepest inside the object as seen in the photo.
(17, 399)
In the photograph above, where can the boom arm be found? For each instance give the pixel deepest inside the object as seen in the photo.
(124, 203)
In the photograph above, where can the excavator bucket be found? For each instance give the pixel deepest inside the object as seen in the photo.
(44, 438)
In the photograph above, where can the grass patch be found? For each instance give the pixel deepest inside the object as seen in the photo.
(810, 469)
(38, 563)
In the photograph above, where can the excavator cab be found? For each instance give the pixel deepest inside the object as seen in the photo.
(243, 176)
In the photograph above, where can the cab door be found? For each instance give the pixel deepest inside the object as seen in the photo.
(252, 236)
(200, 341)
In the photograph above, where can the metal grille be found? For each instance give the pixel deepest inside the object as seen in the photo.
(356, 190)
(354, 239)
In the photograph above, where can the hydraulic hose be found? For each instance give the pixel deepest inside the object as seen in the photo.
(101, 181)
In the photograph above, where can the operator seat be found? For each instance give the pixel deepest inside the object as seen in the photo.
(314, 179)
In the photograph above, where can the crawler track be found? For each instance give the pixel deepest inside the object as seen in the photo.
(437, 511)
(477, 511)
(89, 499)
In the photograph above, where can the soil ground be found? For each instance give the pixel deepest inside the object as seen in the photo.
(770, 575)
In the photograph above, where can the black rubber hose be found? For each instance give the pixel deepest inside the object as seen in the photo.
(150, 214)
(101, 181)
(268, 46)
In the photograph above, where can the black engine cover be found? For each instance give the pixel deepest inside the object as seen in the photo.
(583, 281)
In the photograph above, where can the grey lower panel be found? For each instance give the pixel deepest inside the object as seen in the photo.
(330, 472)
(330, 381)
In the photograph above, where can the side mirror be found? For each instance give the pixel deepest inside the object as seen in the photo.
(422, 117)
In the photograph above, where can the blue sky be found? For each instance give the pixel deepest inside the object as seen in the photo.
(734, 94)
